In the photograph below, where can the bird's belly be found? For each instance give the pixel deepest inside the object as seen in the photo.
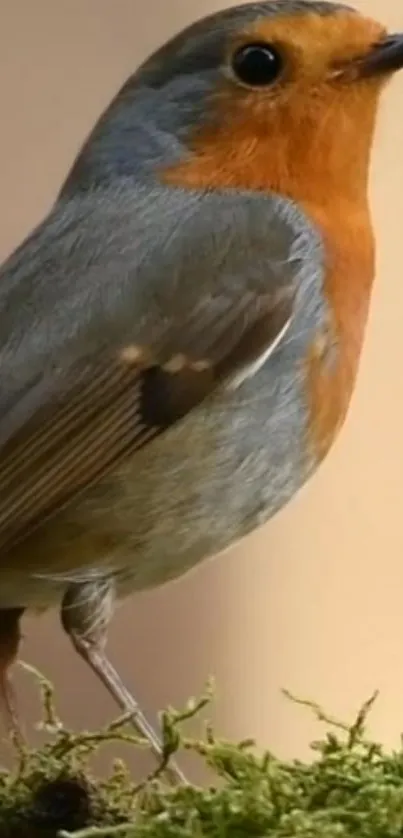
(205, 484)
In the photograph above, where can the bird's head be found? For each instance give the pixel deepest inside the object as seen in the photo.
(278, 95)
(294, 92)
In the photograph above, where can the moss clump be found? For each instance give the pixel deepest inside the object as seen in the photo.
(351, 788)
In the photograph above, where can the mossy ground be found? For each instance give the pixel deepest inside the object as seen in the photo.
(352, 787)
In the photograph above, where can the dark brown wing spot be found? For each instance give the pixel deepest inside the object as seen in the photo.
(167, 396)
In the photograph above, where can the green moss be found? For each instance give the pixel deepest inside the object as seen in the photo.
(352, 787)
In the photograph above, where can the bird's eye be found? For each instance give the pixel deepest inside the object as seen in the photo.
(257, 64)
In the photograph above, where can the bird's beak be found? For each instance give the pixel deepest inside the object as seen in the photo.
(384, 58)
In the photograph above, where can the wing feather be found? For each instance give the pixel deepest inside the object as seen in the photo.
(80, 400)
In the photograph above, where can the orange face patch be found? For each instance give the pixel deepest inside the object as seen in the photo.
(299, 135)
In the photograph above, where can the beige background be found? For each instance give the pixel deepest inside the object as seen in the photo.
(314, 602)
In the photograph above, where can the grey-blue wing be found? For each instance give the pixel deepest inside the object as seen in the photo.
(120, 316)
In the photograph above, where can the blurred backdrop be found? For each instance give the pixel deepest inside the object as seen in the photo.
(313, 602)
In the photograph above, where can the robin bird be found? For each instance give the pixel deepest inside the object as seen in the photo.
(180, 336)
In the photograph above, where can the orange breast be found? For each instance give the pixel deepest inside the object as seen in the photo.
(349, 247)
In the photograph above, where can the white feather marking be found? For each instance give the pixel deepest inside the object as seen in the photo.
(252, 369)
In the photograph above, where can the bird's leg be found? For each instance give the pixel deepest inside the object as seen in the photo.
(87, 608)
(10, 636)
